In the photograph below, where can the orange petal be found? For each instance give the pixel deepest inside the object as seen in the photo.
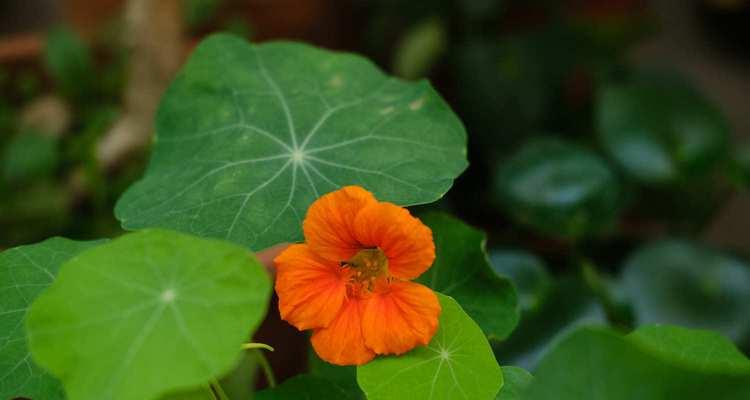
(329, 222)
(341, 342)
(311, 290)
(400, 317)
(404, 239)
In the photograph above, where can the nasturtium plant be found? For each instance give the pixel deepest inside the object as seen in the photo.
(457, 364)
(247, 136)
(25, 271)
(559, 189)
(461, 270)
(660, 130)
(148, 302)
(653, 363)
(681, 282)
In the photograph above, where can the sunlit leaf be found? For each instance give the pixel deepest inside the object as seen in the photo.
(559, 188)
(249, 135)
(654, 363)
(24, 272)
(457, 364)
(462, 271)
(148, 313)
(684, 283)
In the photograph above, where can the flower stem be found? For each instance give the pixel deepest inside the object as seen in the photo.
(249, 346)
(267, 370)
(217, 391)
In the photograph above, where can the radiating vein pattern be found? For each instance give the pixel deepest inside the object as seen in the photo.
(136, 310)
(24, 272)
(457, 364)
(248, 136)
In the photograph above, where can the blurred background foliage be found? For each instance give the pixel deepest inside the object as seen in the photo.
(604, 184)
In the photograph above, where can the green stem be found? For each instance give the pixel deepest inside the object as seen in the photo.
(250, 346)
(217, 390)
(267, 371)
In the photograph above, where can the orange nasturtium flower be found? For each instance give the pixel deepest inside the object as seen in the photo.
(349, 281)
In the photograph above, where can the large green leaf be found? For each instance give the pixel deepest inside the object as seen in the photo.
(249, 135)
(148, 313)
(559, 188)
(462, 271)
(24, 272)
(660, 130)
(680, 282)
(457, 364)
(654, 363)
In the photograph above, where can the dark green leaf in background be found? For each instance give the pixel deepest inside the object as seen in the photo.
(515, 382)
(29, 156)
(24, 272)
(654, 363)
(457, 364)
(344, 377)
(660, 130)
(569, 304)
(148, 313)
(559, 189)
(527, 272)
(248, 136)
(68, 60)
(420, 48)
(684, 283)
(303, 386)
(462, 271)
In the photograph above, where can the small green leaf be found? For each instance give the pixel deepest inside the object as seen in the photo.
(527, 272)
(516, 380)
(683, 283)
(29, 156)
(24, 272)
(311, 387)
(654, 363)
(248, 136)
(559, 188)
(660, 130)
(461, 270)
(148, 313)
(457, 364)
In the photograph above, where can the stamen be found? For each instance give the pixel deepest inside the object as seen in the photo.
(369, 265)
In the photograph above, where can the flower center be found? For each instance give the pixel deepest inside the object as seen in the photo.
(368, 265)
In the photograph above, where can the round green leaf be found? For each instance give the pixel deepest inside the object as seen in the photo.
(309, 386)
(24, 272)
(249, 135)
(654, 363)
(457, 364)
(526, 271)
(659, 130)
(148, 313)
(516, 381)
(683, 283)
(559, 188)
(462, 271)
